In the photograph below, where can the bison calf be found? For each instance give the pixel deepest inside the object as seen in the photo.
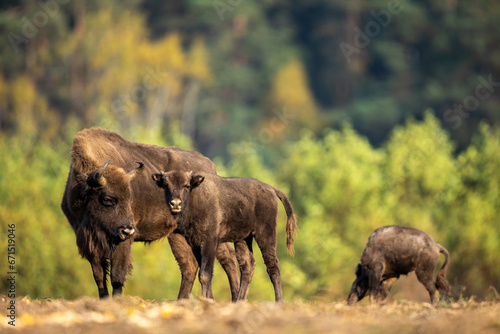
(392, 251)
(213, 209)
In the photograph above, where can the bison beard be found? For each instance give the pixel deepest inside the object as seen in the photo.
(91, 240)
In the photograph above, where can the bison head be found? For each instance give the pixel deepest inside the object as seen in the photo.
(107, 207)
(177, 186)
(359, 286)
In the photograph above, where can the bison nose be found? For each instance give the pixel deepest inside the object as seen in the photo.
(175, 205)
(175, 202)
(126, 231)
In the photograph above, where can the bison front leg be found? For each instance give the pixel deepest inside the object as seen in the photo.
(375, 281)
(99, 270)
(385, 288)
(187, 263)
(227, 258)
(208, 252)
(120, 266)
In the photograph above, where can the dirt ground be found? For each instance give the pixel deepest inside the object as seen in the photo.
(133, 315)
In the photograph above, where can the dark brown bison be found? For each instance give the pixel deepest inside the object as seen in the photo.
(392, 251)
(212, 209)
(110, 202)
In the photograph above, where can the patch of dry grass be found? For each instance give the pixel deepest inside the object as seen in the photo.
(134, 315)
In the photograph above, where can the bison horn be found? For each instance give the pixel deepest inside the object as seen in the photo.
(132, 174)
(98, 178)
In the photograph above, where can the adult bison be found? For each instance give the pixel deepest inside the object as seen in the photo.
(392, 251)
(110, 202)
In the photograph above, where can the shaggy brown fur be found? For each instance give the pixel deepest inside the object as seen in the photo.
(112, 205)
(392, 251)
(213, 209)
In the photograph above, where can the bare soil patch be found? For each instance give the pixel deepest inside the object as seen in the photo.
(133, 315)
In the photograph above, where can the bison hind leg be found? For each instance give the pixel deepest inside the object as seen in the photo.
(267, 246)
(426, 277)
(246, 260)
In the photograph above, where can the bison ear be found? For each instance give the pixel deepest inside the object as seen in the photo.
(158, 178)
(196, 180)
(359, 270)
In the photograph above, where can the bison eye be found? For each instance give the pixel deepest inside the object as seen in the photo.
(187, 186)
(108, 201)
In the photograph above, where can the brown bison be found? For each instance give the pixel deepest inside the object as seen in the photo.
(392, 251)
(110, 204)
(213, 209)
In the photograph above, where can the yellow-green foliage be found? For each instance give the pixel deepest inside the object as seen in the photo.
(340, 186)
(31, 186)
(290, 91)
(475, 212)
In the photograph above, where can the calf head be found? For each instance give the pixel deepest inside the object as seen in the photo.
(107, 207)
(359, 287)
(177, 186)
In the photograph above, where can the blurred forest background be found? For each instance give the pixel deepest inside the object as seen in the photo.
(365, 112)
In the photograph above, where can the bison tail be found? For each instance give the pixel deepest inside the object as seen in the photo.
(441, 282)
(291, 222)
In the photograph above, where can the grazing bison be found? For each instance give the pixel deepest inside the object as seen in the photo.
(212, 209)
(392, 251)
(110, 204)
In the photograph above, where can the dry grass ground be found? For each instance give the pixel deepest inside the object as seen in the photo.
(134, 315)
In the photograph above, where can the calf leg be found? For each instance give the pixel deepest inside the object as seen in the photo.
(425, 276)
(246, 261)
(385, 288)
(100, 270)
(374, 281)
(120, 266)
(187, 263)
(208, 252)
(267, 245)
(226, 257)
